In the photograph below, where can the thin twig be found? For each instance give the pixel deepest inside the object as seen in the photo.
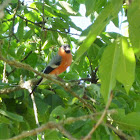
(100, 120)
(29, 88)
(4, 79)
(35, 110)
(7, 20)
(26, 56)
(39, 24)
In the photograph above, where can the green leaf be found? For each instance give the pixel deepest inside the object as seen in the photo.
(119, 115)
(107, 69)
(32, 59)
(80, 1)
(90, 5)
(126, 65)
(28, 34)
(60, 24)
(134, 28)
(62, 93)
(32, 16)
(52, 135)
(20, 50)
(137, 106)
(4, 131)
(116, 21)
(5, 120)
(11, 115)
(67, 7)
(131, 121)
(98, 26)
(114, 136)
(54, 101)
(4, 28)
(11, 50)
(94, 89)
(57, 114)
(94, 5)
(8, 68)
(14, 1)
(72, 25)
(117, 4)
(20, 30)
(48, 10)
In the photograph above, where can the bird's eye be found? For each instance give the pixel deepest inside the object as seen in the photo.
(66, 47)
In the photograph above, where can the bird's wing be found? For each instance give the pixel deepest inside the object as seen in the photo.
(55, 62)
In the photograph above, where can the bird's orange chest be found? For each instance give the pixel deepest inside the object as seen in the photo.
(65, 62)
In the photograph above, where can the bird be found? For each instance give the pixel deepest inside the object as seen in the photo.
(58, 64)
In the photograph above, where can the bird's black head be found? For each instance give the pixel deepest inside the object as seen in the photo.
(66, 48)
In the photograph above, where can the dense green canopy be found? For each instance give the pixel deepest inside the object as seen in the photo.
(97, 97)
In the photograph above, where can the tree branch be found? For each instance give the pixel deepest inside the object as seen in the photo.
(9, 90)
(59, 126)
(22, 85)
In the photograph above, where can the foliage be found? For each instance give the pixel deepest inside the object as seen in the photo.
(103, 63)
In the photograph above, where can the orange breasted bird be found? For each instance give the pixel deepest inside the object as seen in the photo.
(58, 64)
